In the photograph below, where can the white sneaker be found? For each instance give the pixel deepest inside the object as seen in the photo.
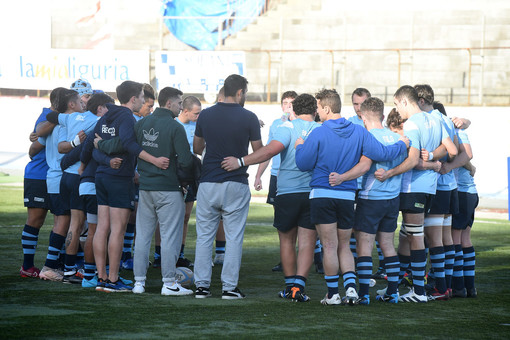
(219, 258)
(175, 290)
(351, 297)
(335, 300)
(139, 287)
(382, 291)
(412, 297)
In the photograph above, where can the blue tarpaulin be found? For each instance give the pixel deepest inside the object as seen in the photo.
(202, 29)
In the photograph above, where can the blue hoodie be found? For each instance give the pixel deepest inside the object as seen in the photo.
(337, 146)
(118, 121)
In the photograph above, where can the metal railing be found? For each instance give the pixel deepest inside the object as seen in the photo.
(275, 56)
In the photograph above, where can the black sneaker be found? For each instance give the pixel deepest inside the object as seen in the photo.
(75, 279)
(202, 293)
(471, 292)
(380, 274)
(459, 293)
(285, 294)
(297, 295)
(157, 263)
(234, 294)
(184, 262)
(277, 268)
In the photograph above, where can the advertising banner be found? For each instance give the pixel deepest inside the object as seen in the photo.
(198, 72)
(47, 69)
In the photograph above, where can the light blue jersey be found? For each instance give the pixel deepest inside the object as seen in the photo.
(137, 118)
(72, 124)
(425, 131)
(374, 189)
(53, 158)
(275, 163)
(290, 178)
(465, 181)
(189, 127)
(87, 188)
(358, 121)
(447, 181)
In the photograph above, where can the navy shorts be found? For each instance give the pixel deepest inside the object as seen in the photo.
(116, 192)
(292, 210)
(466, 215)
(56, 205)
(70, 192)
(376, 215)
(190, 195)
(271, 195)
(332, 210)
(90, 202)
(35, 194)
(445, 203)
(415, 202)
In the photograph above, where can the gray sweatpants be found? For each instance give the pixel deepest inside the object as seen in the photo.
(232, 201)
(167, 207)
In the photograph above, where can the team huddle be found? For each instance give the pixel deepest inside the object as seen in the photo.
(337, 188)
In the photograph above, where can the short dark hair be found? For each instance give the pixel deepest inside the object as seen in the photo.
(189, 102)
(234, 83)
(166, 94)
(440, 107)
(407, 91)
(330, 98)
(374, 107)
(394, 119)
(55, 96)
(127, 90)
(425, 92)
(148, 92)
(65, 97)
(289, 94)
(304, 104)
(98, 99)
(361, 91)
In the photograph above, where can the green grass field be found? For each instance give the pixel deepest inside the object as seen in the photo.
(32, 308)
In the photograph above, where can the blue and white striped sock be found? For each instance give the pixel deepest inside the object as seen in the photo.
(437, 264)
(29, 238)
(54, 249)
(392, 266)
(364, 267)
(332, 283)
(349, 280)
(458, 270)
(469, 266)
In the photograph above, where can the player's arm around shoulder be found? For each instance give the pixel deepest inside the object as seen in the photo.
(181, 146)
(308, 151)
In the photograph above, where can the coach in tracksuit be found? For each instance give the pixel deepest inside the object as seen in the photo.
(160, 197)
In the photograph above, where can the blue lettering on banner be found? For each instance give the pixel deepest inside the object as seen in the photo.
(56, 70)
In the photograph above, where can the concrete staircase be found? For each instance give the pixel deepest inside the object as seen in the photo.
(334, 25)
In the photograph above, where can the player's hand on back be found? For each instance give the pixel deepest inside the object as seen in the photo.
(96, 140)
(381, 174)
(299, 141)
(335, 179)
(230, 163)
(33, 137)
(162, 162)
(115, 162)
(424, 155)
(405, 140)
